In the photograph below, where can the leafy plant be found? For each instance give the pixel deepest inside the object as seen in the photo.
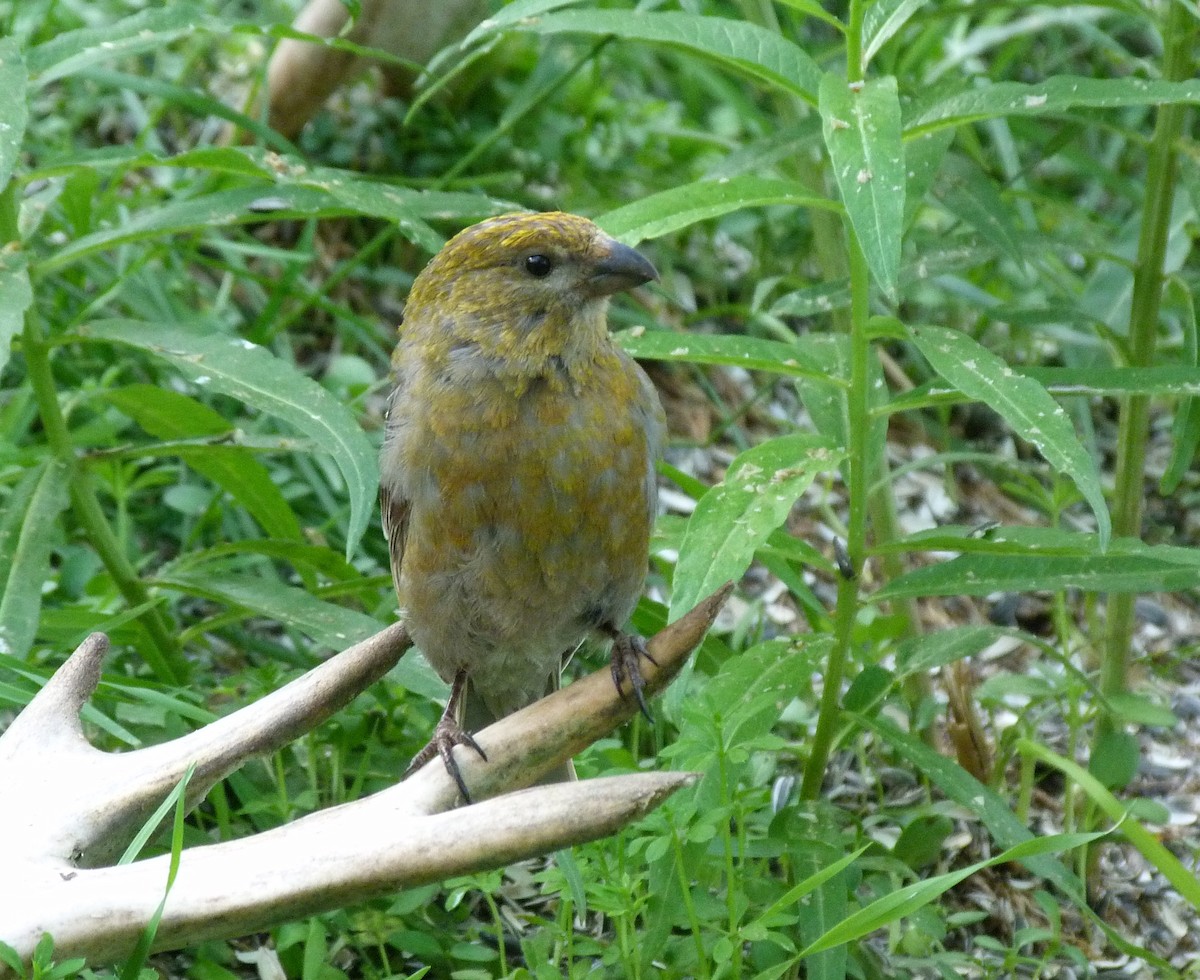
(901, 218)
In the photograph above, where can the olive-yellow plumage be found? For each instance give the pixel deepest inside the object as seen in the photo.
(518, 484)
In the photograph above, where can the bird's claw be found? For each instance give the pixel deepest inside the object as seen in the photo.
(627, 650)
(446, 735)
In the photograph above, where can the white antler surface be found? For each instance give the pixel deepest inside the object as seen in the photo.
(70, 808)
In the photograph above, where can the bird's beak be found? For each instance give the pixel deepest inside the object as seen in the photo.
(621, 268)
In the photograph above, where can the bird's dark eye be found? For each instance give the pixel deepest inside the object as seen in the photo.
(538, 266)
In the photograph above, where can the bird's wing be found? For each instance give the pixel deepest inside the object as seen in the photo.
(394, 505)
(654, 423)
(394, 510)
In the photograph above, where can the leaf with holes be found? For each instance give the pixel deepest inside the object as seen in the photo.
(739, 514)
(861, 124)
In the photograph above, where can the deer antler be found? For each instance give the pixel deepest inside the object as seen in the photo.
(80, 806)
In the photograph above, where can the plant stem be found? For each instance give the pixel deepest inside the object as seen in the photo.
(858, 472)
(162, 654)
(1161, 175)
(857, 483)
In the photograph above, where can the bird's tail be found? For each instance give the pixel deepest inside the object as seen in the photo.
(474, 714)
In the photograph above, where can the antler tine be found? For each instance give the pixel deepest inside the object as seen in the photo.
(335, 857)
(101, 799)
(79, 805)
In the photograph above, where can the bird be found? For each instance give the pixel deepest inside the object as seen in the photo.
(517, 472)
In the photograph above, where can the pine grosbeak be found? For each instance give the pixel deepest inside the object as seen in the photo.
(518, 485)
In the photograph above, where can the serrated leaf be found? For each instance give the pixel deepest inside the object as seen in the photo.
(14, 108)
(1058, 94)
(751, 353)
(738, 45)
(25, 537)
(1023, 403)
(861, 125)
(668, 211)
(236, 367)
(739, 514)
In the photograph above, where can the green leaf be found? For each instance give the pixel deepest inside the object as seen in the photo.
(964, 789)
(1185, 427)
(237, 206)
(751, 353)
(668, 211)
(920, 843)
(739, 514)
(14, 109)
(1140, 710)
(1174, 380)
(15, 297)
(923, 158)
(1114, 760)
(1152, 849)
(925, 653)
(905, 901)
(751, 690)
(746, 48)
(967, 193)
(881, 22)
(817, 300)
(236, 367)
(333, 626)
(173, 415)
(26, 533)
(298, 191)
(1059, 94)
(983, 574)
(512, 15)
(149, 30)
(825, 396)
(861, 124)
(384, 201)
(1023, 403)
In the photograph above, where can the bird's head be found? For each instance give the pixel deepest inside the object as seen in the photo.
(523, 286)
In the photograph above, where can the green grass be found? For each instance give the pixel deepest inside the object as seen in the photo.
(995, 200)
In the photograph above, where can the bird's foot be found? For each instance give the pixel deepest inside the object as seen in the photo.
(627, 651)
(446, 736)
